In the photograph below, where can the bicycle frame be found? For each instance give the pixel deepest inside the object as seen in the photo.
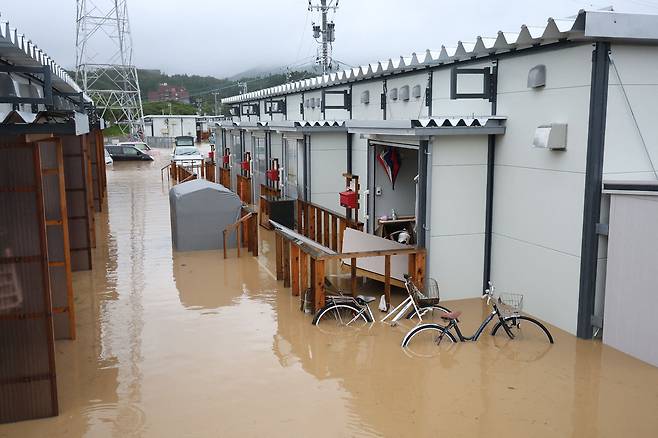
(475, 336)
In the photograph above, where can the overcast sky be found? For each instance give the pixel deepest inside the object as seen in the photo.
(225, 37)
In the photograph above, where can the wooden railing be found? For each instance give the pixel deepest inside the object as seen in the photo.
(244, 188)
(181, 174)
(209, 170)
(247, 232)
(322, 225)
(298, 262)
(225, 177)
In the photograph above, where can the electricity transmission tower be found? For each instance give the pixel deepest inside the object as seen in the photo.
(103, 59)
(326, 33)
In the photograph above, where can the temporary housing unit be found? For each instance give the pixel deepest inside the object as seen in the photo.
(495, 148)
(52, 180)
(170, 125)
(200, 210)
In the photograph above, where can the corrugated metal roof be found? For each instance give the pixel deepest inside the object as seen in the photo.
(451, 125)
(600, 24)
(17, 49)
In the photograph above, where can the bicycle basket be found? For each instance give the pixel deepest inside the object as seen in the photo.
(431, 295)
(510, 304)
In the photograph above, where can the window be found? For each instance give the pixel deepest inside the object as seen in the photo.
(129, 150)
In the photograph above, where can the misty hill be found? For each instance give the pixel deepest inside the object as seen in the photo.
(201, 87)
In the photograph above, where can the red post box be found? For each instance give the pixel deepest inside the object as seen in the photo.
(349, 199)
(272, 174)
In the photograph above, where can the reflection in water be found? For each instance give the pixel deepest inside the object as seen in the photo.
(190, 344)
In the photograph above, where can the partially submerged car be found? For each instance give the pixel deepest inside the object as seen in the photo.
(186, 155)
(140, 145)
(127, 153)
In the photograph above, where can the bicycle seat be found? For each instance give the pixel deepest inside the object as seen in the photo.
(362, 299)
(452, 315)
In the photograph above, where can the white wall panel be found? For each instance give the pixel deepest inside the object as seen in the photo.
(548, 279)
(456, 264)
(371, 110)
(292, 106)
(538, 194)
(458, 196)
(414, 108)
(625, 155)
(328, 163)
(630, 299)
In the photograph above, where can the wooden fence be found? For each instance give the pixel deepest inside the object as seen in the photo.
(322, 225)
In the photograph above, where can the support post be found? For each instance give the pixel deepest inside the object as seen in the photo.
(294, 258)
(317, 273)
(353, 276)
(278, 241)
(593, 183)
(286, 263)
(387, 280)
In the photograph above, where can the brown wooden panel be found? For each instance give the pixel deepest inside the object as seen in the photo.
(58, 236)
(28, 387)
(94, 171)
(77, 202)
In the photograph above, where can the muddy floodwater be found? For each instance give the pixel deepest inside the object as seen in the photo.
(192, 345)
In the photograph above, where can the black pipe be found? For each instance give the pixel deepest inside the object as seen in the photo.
(488, 221)
(349, 153)
(423, 150)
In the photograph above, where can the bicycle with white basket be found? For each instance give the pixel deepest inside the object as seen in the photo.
(506, 307)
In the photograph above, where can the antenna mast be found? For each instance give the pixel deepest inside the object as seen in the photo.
(103, 62)
(326, 33)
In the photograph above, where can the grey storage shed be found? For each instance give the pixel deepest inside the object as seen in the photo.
(200, 210)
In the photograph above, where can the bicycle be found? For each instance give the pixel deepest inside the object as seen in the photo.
(506, 308)
(345, 310)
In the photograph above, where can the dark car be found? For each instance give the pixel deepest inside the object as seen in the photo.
(126, 152)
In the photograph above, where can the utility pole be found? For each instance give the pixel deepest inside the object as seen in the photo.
(326, 33)
(215, 94)
(243, 87)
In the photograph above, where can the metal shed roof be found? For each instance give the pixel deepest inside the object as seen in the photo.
(587, 25)
(16, 49)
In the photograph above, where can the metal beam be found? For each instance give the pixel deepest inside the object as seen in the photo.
(593, 185)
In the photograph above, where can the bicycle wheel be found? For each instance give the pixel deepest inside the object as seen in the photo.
(335, 317)
(428, 340)
(523, 328)
(430, 314)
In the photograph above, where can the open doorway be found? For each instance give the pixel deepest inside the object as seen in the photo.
(393, 189)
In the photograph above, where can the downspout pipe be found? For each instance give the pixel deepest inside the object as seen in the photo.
(349, 152)
(598, 103)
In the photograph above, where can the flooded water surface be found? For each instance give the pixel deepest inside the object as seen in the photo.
(192, 345)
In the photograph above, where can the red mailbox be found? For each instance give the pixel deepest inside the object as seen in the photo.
(245, 165)
(211, 154)
(273, 174)
(349, 199)
(225, 159)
